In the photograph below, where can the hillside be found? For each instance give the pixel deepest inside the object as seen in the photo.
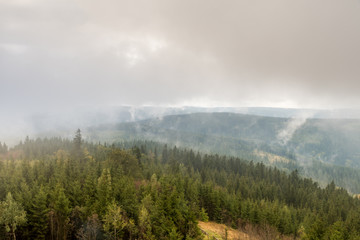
(331, 143)
(224, 133)
(329, 140)
(216, 231)
(61, 189)
(213, 230)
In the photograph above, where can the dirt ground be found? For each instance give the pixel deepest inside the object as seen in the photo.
(217, 231)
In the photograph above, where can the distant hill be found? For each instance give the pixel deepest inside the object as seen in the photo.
(64, 122)
(328, 140)
(300, 142)
(224, 133)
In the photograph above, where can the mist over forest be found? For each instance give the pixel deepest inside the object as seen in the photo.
(179, 120)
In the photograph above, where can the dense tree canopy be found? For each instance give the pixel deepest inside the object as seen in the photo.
(62, 189)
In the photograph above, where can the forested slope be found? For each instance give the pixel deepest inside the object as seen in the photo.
(144, 190)
(330, 140)
(323, 149)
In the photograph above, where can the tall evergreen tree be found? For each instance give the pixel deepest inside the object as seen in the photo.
(61, 211)
(104, 194)
(77, 140)
(39, 215)
(114, 221)
(12, 214)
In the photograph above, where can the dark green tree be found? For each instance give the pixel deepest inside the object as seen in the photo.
(38, 218)
(60, 214)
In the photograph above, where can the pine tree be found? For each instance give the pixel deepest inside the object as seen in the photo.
(12, 215)
(77, 140)
(39, 215)
(114, 220)
(3, 148)
(337, 231)
(145, 224)
(77, 152)
(103, 191)
(61, 210)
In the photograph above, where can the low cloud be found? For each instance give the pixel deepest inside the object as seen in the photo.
(293, 124)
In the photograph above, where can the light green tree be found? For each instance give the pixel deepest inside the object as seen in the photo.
(174, 234)
(114, 220)
(337, 231)
(203, 215)
(12, 214)
(145, 223)
(103, 191)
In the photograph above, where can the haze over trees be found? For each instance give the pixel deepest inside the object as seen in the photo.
(323, 149)
(62, 189)
(244, 114)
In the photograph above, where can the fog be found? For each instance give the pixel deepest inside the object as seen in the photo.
(60, 57)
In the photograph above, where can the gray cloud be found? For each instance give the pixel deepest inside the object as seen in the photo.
(60, 54)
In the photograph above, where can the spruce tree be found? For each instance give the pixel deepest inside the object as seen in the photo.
(39, 215)
(12, 215)
(61, 209)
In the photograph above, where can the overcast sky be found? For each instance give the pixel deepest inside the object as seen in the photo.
(57, 54)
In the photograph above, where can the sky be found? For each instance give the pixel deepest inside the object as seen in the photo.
(59, 54)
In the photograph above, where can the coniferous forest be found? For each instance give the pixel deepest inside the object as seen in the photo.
(201, 120)
(61, 189)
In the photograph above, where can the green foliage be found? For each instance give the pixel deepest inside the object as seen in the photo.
(103, 191)
(60, 213)
(203, 215)
(124, 162)
(114, 220)
(174, 234)
(39, 215)
(145, 224)
(12, 214)
(331, 143)
(117, 224)
(316, 229)
(337, 231)
(149, 191)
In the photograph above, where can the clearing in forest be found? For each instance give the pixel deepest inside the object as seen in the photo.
(213, 230)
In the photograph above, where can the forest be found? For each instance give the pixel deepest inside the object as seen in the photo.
(54, 188)
(322, 149)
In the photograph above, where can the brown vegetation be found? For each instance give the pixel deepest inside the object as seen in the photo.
(213, 230)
